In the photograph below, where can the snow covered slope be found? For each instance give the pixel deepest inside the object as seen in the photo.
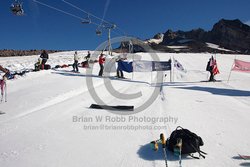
(156, 41)
(214, 46)
(48, 122)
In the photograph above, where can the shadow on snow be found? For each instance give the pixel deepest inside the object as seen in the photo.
(145, 152)
(219, 91)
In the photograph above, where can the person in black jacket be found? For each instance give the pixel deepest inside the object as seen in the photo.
(210, 66)
(119, 72)
(44, 57)
(86, 64)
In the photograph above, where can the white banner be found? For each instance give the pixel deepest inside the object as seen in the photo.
(110, 65)
(142, 66)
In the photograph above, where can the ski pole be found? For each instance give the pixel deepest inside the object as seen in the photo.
(2, 88)
(179, 144)
(163, 141)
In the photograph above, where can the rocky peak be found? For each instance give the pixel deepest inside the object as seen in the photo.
(231, 34)
(158, 36)
(233, 24)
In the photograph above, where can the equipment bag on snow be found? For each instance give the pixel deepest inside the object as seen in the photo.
(47, 67)
(190, 142)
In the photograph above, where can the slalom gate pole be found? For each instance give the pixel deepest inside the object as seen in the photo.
(231, 69)
(2, 85)
(172, 66)
(5, 90)
(151, 77)
(133, 67)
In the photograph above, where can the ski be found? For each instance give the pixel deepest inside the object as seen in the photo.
(1, 112)
(154, 145)
(119, 78)
(245, 157)
(212, 81)
(107, 107)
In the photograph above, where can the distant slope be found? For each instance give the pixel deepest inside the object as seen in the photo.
(11, 52)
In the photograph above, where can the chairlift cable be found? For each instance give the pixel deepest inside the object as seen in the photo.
(74, 6)
(41, 3)
(62, 11)
(90, 14)
(99, 26)
(80, 18)
(105, 10)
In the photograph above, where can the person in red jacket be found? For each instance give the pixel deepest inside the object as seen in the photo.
(101, 63)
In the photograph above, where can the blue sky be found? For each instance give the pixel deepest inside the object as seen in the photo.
(45, 28)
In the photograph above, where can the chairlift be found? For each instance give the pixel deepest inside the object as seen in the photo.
(113, 26)
(16, 8)
(98, 32)
(86, 20)
(109, 26)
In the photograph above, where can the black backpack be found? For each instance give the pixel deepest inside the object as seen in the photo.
(190, 142)
(208, 68)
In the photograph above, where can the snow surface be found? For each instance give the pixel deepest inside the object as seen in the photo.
(156, 41)
(177, 48)
(38, 129)
(214, 46)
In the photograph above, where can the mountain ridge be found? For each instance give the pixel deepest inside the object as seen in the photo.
(230, 36)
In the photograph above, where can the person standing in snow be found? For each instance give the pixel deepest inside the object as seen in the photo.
(101, 63)
(76, 59)
(88, 56)
(44, 57)
(87, 59)
(119, 72)
(210, 66)
(3, 82)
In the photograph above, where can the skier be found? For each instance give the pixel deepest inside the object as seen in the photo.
(75, 65)
(44, 57)
(101, 63)
(3, 83)
(210, 66)
(88, 56)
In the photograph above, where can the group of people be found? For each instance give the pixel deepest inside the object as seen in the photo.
(101, 61)
(76, 60)
(42, 60)
(40, 65)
